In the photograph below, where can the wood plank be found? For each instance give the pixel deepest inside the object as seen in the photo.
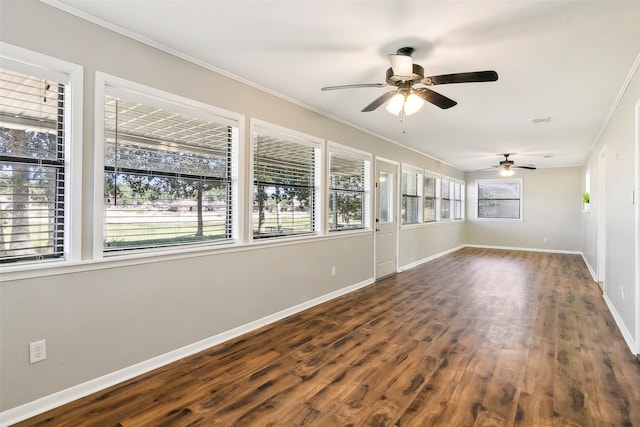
(479, 337)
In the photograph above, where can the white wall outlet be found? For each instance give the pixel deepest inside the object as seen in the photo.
(622, 292)
(37, 351)
(546, 239)
(333, 270)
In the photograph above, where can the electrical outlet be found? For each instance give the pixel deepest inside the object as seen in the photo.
(622, 292)
(333, 270)
(546, 239)
(37, 351)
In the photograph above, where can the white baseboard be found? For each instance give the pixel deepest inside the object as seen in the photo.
(514, 248)
(628, 337)
(46, 403)
(594, 276)
(422, 261)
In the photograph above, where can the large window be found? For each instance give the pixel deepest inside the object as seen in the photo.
(167, 173)
(348, 189)
(499, 199)
(431, 197)
(33, 173)
(447, 196)
(411, 194)
(285, 184)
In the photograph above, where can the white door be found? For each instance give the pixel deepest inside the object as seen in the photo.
(601, 218)
(386, 221)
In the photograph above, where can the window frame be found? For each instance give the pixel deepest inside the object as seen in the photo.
(500, 181)
(449, 200)
(436, 198)
(418, 174)
(366, 158)
(459, 197)
(111, 85)
(71, 75)
(317, 208)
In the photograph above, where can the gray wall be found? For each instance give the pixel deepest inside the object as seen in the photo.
(102, 316)
(621, 162)
(552, 204)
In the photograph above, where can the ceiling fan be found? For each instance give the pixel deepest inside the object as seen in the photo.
(506, 166)
(411, 85)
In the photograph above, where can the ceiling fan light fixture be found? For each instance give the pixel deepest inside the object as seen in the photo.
(506, 171)
(395, 104)
(412, 104)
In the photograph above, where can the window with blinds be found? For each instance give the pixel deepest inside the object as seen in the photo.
(32, 167)
(458, 200)
(499, 199)
(411, 195)
(431, 193)
(447, 195)
(285, 176)
(167, 176)
(348, 191)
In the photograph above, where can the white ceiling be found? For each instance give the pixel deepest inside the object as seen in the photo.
(566, 60)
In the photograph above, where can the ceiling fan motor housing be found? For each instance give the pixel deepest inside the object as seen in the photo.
(416, 77)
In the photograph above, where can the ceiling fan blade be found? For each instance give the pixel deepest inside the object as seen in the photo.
(435, 98)
(530, 167)
(379, 101)
(472, 77)
(354, 86)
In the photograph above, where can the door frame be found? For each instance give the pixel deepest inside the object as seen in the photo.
(601, 229)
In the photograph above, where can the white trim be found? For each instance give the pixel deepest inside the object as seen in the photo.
(515, 248)
(72, 75)
(592, 272)
(628, 337)
(70, 394)
(637, 228)
(427, 259)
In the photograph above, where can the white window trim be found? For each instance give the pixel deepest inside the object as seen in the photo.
(420, 172)
(318, 144)
(462, 200)
(519, 180)
(106, 83)
(438, 177)
(451, 197)
(26, 61)
(334, 147)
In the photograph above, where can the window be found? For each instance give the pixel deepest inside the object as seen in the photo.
(33, 165)
(167, 173)
(447, 195)
(285, 184)
(411, 195)
(348, 190)
(431, 197)
(499, 199)
(458, 200)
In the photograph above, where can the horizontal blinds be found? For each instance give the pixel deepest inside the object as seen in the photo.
(411, 183)
(281, 162)
(31, 167)
(167, 177)
(347, 173)
(430, 186)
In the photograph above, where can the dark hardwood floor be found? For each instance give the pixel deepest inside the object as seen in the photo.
(478, 337)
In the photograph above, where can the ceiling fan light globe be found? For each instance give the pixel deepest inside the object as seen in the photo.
(412, 104)
(506, 171)
(395, 104)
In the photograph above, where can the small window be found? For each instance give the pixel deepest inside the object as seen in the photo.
(447, 195)
(348, 190)
(431, 197)
(411, 195)
(499, 199)
(33, 114)
(458, 200)
(167, 174)
(285, 184)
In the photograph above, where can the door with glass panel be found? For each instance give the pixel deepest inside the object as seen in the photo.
(386, 221)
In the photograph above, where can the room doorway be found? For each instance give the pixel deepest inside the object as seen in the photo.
(386, 221)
